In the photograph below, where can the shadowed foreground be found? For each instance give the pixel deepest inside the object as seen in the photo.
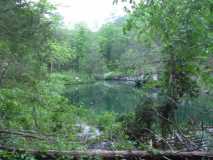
(104, 154)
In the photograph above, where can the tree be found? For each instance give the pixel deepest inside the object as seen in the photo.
(80, 42)
(183, 29)
(112, 44)
(25, 27)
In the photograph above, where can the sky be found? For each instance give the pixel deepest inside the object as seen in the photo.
(92, 12)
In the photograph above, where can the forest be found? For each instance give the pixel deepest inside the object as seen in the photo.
(140, 87)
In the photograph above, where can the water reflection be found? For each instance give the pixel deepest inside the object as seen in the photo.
(105, 96)
(123, 97)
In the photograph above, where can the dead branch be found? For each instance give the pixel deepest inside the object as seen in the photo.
(26, 135)
(164, 140)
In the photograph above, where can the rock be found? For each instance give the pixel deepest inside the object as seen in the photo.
(87, 132)
(105, 145)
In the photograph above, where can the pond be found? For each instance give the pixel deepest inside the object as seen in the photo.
(123, 97)
(115, 96)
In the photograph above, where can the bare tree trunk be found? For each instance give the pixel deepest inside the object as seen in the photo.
(168, 110)
(3, 72)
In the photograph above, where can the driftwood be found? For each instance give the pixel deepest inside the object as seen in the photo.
(104, 154)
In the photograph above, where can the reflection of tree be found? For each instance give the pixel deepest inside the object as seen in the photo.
(118, 98)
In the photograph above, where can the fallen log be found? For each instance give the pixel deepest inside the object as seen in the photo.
(27, 135)
(105, 154)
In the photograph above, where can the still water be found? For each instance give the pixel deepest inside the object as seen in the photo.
(123, 97)
(105, 96)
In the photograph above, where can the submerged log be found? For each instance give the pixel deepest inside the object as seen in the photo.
(104, 154)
